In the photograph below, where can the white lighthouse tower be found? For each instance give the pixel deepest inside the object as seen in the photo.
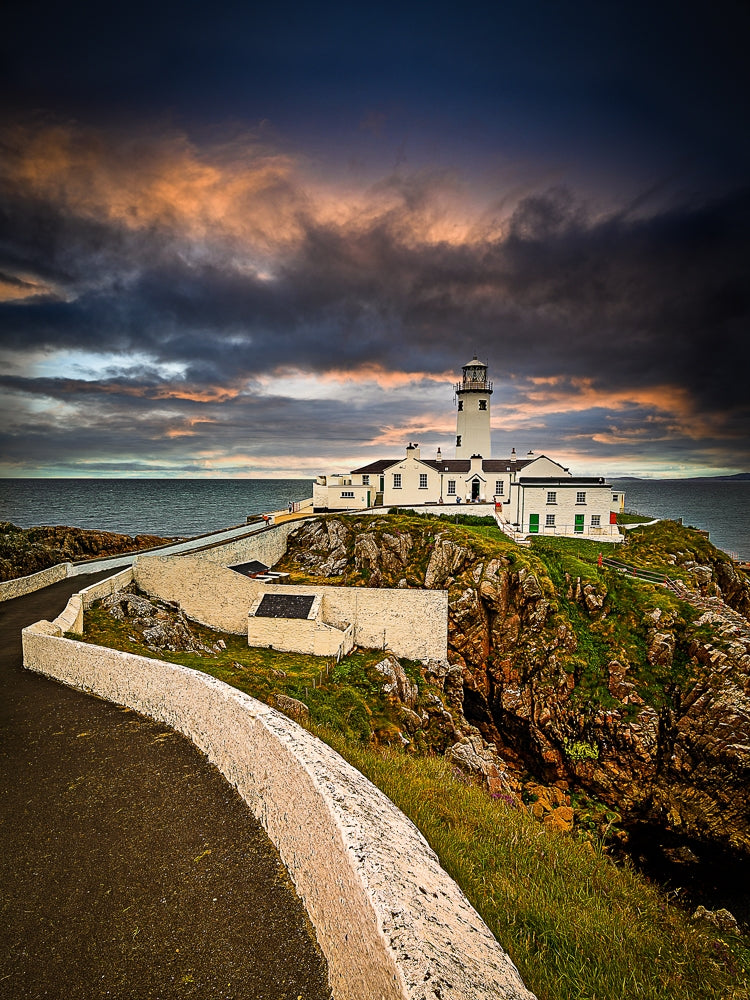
(473, 416)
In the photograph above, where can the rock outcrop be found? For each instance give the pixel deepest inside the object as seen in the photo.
(157, 626)
(25, 551)
(600, 684)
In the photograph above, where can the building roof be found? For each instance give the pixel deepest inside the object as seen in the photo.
(252, 568)
(563, 481)
(376, 467)
(459, 465)
(284, 606)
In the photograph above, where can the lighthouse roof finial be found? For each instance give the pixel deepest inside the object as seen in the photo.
(474, 363)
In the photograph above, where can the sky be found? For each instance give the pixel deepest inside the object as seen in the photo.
(261, 240)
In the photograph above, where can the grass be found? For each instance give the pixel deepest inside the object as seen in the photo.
(659, 546)
(577, 926)
(631, 517)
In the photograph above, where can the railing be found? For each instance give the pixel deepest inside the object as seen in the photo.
(649, 575)
(475, 386)
(604, 531)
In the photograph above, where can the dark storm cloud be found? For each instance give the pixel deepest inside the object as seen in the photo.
(230, 267)
(657, 298)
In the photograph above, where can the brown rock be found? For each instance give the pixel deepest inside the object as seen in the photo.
(295, 709)
(397, 684)
(446, 558)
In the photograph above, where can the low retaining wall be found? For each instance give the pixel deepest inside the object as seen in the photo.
(391, 923)
(71, 618)
(34, 581)
(413, 623)
(205, 590)
(300, 635)
(267, 545)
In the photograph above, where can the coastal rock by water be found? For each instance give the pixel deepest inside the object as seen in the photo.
(25, 551)
(584, 680)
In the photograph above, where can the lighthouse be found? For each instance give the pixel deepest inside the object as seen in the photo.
(473, 411)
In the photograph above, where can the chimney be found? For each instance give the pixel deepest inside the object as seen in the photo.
(412, 450)
(439, 456)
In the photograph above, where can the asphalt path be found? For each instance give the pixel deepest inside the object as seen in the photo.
(129, 868)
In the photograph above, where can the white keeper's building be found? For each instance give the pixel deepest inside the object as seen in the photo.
(532, 495)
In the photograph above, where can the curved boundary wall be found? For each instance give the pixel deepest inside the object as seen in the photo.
(390, 922)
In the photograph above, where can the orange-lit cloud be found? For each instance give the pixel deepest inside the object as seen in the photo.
(580, 395)
(372, 374)
(18, 288)
(239, 194)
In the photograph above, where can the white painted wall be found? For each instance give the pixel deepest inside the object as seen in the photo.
(343, 492)
(413, 623)
(205, 590)
(390, 922)
(409, 469)
(527, 500)
(473, 424)
(543, 466)
(34, 581)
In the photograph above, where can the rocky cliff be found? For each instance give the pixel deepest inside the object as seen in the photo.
(24, 551)
(596, 691)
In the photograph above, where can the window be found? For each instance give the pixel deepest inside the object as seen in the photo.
(482, 404)
(397, 480)
(551, 496)
(458, 440)
(423, 480)
(596, 520)
(365, 480)
(349, 494)
(550, 521)
(460, 404)
(451, 487)
(581, 496)
(498, 487)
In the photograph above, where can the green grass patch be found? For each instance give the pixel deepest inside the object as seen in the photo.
(577, 926)
(631, 517)
(667, 544)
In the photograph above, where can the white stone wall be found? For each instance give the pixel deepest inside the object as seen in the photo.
(34, 581)
(300, 635)
(413, 623)
(267, 546)
(390, 922)
(206, 591)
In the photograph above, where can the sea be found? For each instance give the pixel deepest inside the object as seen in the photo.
(719, 506)
(166, 507)
(187, 507)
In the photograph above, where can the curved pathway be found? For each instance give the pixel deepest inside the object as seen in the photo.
(129, 868)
